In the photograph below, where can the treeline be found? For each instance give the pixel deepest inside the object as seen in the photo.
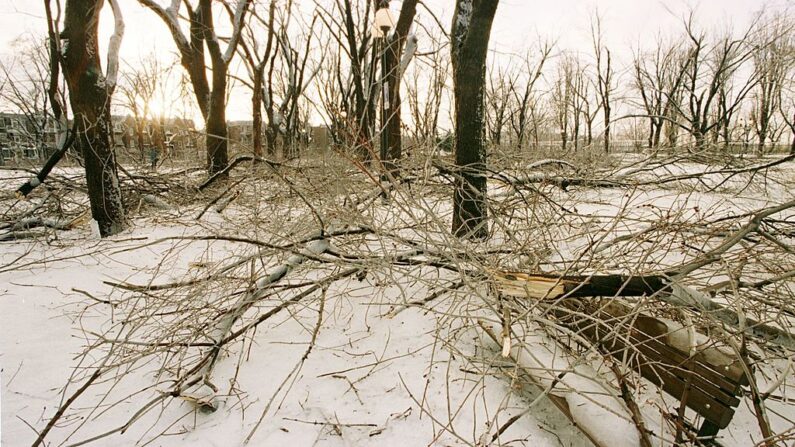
(377, 78)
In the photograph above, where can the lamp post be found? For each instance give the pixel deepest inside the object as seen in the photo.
(383, 25)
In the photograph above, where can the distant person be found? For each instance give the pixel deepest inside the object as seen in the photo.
(154, 156)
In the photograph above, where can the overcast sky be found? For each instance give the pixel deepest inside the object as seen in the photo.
(627, 23)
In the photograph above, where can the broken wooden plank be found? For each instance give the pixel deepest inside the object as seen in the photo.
(542, 286)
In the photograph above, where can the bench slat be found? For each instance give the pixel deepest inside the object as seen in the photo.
(711, 394)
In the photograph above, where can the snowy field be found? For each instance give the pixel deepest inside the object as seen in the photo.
(376, 340)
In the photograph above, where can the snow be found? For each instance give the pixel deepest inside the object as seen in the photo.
(381, 370)
(95, 232)
(361, 385)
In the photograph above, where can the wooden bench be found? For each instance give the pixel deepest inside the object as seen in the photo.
(709, 382)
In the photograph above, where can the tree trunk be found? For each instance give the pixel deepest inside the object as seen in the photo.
(90, 97)
(193, 62)
(139, 138)
(589, 133)
(520, 133)
(393, 123)
(390, 110)
(700, 141)
(383, 155)
(657, 134)
(792, 147)
(762, 138)
(217, 136)
(270, 140)
(607, 111)
(392, 69)
(470, 40)
(256, 110)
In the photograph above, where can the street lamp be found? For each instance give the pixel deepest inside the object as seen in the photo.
(383, 25)
(383, 21)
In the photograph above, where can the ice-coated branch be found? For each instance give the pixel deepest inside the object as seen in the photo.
(112, 73)
(240, 12)
(169, 17)
(408, 54)
(173, 8)
(224, 326)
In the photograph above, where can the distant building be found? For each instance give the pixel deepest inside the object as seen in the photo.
(319, 137)
(241, 135)
(25, 137)
(135, 139)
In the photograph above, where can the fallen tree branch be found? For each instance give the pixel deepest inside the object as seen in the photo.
(27, 187)
(232, 164)
(223, 327)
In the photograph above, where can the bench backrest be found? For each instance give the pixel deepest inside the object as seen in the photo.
(708, 382)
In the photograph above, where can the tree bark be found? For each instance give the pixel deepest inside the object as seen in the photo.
(392, 69)
(470, 39)
(792, 146)
(90, 96)
(192, 59)
(256, 112)
(258, 81)
(212, 103)
(217, 133)
(395, 52)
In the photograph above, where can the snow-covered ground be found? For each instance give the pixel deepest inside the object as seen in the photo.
(365, 382)
(358, 362)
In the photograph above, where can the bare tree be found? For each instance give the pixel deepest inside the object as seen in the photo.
(658, 79)
(710, 100)
(352, 76)
(290, 116)
(772, 60)
(585, 107)
(395, 62)
(57, 101)
(211, 101)
(569, 99)
(470, 33)
(500, 84)
(25, 90)
(524, 113)
(604, 76)
(257, 63)
(90, 93)
(139, 85)
(425, 88)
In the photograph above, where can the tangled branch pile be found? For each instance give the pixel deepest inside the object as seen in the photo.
(317, 252)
